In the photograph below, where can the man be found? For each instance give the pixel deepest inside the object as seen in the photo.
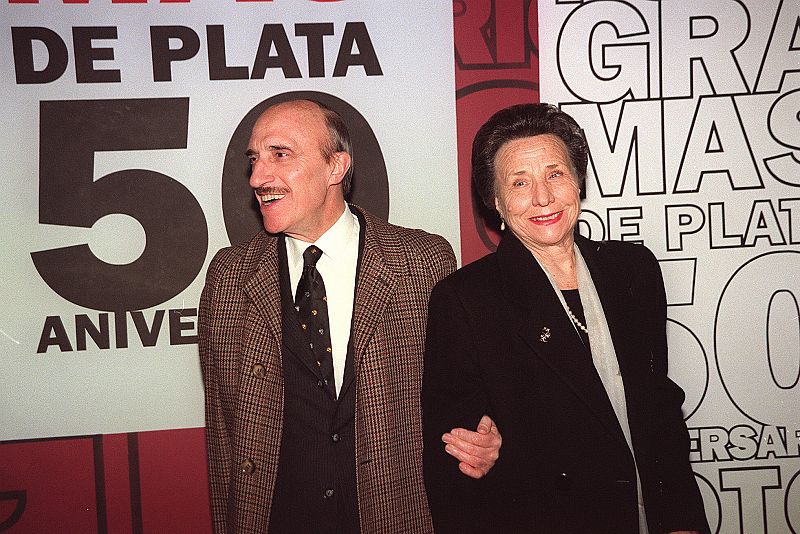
(312, 401)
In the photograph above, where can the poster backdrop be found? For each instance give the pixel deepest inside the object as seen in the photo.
(123, 133)
(125, 125)
(692, 110)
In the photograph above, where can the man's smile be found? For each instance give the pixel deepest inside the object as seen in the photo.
(268, 196)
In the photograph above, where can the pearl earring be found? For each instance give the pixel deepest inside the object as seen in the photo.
(502, 225)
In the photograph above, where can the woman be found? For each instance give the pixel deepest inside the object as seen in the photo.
(562, 341)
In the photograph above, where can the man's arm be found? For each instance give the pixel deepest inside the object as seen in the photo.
(217, 440)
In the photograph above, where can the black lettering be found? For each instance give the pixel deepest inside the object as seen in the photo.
(178, 325)
(86, 54)
(174, 224)
(121, 330)
(218, 68)
(22, 39)
(53, 333)
(163, 55)
(84, 325)
(314, 34)
(149, 336)
(356, 33)
(283, 58)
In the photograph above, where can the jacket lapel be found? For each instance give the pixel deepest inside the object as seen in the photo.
(262, 288)
(614, 289)
(544, 326)
(269, 291)
(376, 282)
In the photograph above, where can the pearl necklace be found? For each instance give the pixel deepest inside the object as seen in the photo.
(577, 321)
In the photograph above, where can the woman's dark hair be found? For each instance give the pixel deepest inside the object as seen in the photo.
(516, 122)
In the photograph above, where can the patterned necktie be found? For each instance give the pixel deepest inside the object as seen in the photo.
(311, 304)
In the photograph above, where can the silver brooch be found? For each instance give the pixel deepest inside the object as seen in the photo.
(544, 337)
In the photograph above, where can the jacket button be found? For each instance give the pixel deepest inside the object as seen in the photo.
(259, 371)
(320, 383)
(247, 466)
(335, 438)
(563, 482)
(328, 493)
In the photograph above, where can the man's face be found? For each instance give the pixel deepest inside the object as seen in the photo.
(297, 190)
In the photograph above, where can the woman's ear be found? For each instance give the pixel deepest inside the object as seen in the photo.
(500, 214)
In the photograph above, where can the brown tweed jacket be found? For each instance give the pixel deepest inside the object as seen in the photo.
(240, 352)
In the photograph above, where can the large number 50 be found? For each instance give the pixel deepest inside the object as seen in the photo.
(173, 221)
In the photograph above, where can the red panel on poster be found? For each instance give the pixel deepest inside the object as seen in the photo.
(121, 483)
(497, 65)
(48, 486)
(174, 481)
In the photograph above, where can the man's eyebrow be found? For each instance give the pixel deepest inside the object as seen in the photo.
(279, 147)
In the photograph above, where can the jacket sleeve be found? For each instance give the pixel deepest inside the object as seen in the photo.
(680, 503)
(217, 437)
(439, 258)
(453, 395)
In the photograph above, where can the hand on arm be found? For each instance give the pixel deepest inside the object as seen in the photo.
(477, 451)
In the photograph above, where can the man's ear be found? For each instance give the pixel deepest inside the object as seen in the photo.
(341, 163)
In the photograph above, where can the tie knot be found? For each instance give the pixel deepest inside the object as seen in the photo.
(311, 256)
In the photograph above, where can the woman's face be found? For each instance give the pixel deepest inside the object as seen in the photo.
(536, 191)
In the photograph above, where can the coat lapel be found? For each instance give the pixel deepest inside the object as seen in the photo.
(614, 289)
(262, 287)
(268, 290)
(544, 326)
(377, 279)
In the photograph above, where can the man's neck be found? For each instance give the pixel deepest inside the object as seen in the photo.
(323, 223)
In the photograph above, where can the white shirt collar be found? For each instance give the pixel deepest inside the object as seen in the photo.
(333, 243)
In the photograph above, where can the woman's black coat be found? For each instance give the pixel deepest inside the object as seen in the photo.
(499, 342)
